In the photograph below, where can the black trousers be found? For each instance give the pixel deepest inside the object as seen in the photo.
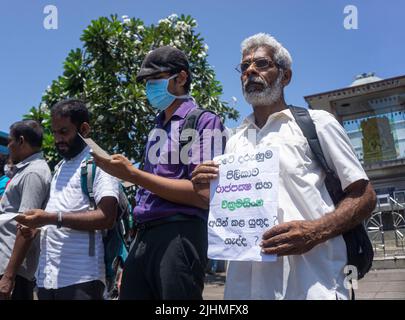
(23, 289)
(167, 262)
(92, 290)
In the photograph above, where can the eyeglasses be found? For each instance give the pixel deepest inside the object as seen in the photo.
(260, 64)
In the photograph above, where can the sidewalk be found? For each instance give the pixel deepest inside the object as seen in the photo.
(214, 286)
(382, 284)
(376, 285)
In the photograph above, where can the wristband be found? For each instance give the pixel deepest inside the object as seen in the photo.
(59, 222)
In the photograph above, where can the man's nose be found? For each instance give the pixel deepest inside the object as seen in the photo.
(58, 139)
(251, 70)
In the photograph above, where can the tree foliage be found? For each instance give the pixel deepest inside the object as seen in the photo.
(103, 74)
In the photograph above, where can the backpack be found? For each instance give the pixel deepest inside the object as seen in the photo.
(189, 126)
(115, 240)
(190, 123)
(358, 245)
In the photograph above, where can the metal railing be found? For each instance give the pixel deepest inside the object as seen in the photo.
(387, 238)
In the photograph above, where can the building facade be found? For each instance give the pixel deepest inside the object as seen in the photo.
(372, 111)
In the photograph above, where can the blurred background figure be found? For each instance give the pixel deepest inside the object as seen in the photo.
(4, 179)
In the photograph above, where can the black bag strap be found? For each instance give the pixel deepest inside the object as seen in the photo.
(87, 175)
(357, 241)
(307, 126)
(190, 122)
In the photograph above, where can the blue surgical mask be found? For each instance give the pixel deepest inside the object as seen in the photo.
(158, 95)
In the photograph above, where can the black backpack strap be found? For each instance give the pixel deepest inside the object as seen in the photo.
(189, 126)
(190, 122)
(307, 126)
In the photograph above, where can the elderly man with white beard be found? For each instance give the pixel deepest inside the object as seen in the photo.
(308, 242)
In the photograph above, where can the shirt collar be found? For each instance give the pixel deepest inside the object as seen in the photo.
(250, 119)
(80, 155)
(27, 161)
(181, 111)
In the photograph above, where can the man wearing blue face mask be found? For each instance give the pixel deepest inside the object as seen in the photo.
(168, 256)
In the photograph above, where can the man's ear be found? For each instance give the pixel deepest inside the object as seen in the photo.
(181, 79)
(21, 140)
(84, 129)
(287, 75)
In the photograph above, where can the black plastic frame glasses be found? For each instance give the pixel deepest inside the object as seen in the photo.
(259, 64)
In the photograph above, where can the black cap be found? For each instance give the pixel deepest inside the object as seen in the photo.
(163, 59)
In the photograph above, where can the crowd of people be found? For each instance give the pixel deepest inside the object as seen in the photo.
(57, 242)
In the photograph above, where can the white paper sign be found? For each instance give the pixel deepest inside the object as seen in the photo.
(243, 204)
(96, 149)
(6, 217)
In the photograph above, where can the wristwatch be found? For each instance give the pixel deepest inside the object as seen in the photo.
(59, 222)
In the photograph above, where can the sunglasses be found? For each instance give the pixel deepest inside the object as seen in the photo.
(259, 64)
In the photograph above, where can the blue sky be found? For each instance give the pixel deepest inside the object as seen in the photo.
(326, 56)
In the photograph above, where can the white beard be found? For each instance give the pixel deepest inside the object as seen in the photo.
(268, 96)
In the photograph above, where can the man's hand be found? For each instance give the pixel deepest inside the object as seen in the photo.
(117, 166)
(27, 233)
(291, 238)
(6, 287)
(35, 218)
(204, 173)
(201, 178)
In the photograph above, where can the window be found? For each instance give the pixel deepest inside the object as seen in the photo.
(399, 196)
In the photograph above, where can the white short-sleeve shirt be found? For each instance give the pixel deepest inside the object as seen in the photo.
(317, 274)
(65, 258)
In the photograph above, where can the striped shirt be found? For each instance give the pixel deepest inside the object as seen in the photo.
(65, 258)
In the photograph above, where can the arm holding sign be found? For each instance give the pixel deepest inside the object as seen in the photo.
(175, 190)
(201, 178)
(298, 237)
(178, 190)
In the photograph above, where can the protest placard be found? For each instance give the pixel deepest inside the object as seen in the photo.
(243, 204)
(97, 150)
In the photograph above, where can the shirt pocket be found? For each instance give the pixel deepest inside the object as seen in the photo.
(294, 154)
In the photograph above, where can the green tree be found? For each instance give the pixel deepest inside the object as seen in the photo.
(41, 114)
(103, 74)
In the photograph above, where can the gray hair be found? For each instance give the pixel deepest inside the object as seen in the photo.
(281, 54)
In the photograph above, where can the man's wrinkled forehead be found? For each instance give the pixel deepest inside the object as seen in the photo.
(258, 52)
